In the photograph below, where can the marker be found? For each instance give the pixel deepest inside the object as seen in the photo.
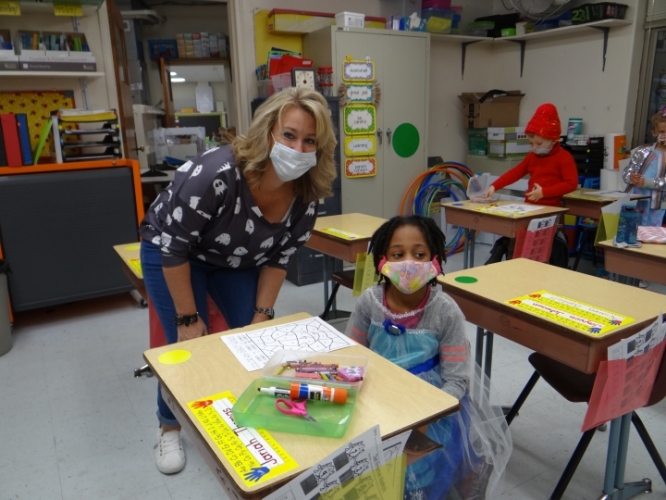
(274, 391)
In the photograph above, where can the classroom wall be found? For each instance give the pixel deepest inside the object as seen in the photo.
(563, 70)
(184, 94)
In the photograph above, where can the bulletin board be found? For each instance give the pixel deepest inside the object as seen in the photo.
(37, 106)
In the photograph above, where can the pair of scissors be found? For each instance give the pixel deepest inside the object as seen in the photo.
(295, 408)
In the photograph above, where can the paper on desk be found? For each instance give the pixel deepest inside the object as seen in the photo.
(624, 383)
(511, 210)
(610, 218)
(541, 223)
(254, 348)
(358, 469)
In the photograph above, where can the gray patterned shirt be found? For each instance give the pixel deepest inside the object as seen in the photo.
(208, 213)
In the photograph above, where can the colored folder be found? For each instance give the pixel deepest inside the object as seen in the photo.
(11, 140)
(24, 138)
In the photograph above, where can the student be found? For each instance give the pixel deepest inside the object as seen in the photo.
(552, 170)
(645, 173)
(421, 329)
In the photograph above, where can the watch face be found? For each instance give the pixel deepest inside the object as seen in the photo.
(303, 78)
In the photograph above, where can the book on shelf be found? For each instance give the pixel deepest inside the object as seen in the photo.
(11, 140)
(24, 138)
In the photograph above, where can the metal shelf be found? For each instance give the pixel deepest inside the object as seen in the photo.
(54, 74)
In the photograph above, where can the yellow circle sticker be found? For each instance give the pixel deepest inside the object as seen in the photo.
(174, 357)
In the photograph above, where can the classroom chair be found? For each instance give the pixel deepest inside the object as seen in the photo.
(576, 387)
(344, 278)
(586, 227)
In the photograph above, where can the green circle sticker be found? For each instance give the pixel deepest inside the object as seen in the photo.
(406, 140)
(466, 279)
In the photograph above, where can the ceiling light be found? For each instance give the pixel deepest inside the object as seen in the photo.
(173, 73)
(178, 80)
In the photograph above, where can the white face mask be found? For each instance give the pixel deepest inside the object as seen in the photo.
(661, 138)
(543, 150)
(290, 164)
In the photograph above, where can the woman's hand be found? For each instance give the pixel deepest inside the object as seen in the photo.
(192, 331)
(489, 192)
(536, 194)
(637, 180)
(258, 318)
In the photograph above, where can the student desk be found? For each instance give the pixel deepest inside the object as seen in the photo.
(391, 397)
(129, 255)
(483, 304)
(646, 263)
(360, 228)
(465, 214)
(589, 202)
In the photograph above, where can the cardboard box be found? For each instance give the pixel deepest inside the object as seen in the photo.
(478, 142)
(507, 142)
(501, 111)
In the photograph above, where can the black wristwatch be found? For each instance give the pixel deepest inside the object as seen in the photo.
(186, 320)
(270, 312)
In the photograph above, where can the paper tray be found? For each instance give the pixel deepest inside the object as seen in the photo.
(258, 411)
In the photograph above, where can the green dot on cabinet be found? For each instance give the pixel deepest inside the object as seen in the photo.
(406, 140)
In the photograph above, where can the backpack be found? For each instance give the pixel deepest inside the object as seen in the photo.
(559, 255)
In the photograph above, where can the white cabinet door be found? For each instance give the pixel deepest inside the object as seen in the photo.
(401, 69)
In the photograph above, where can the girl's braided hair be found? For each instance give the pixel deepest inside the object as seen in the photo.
(435, 238)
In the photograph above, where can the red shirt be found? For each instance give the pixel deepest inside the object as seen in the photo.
(555, 172)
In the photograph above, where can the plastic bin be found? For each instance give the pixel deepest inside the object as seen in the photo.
(167, 48)
(5, 325)
(591, 12)
(436, 4)
(477, 187)
(350, 20)
(480, 28)
(279, 82)
(438, 21)
(257, 410)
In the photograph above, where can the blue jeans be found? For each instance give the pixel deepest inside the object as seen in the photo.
(234, 291)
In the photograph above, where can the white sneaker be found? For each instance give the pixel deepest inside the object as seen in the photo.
(642, 284)
(169, 453)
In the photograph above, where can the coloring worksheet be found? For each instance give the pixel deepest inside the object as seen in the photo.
(254, 348)
(511, 210)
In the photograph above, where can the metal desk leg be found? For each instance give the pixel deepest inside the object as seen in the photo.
(484, 336)
(326, 278)
(471, 248)
(616, 461)
(489, 352)
(466, 247)
(480, 334)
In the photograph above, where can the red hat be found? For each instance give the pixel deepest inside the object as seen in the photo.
(545, 122)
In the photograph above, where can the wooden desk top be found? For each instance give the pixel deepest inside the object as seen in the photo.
(470, 206)
(391, 397)
(645, 263)
(127, 252)
(483, 304)
(361, 225)
(598, 196)
(655, 250)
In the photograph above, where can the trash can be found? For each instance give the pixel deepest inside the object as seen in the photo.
(5, 325)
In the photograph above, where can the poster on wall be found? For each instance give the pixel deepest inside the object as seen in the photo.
(360, 120)
(360, 145)
(360, 167)
(358, 71)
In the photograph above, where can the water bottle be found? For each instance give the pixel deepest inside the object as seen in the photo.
(627, 228)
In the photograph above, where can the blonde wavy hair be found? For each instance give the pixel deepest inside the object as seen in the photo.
(252, 151)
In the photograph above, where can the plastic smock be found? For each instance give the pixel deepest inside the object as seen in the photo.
(431, 343)
(648, 162)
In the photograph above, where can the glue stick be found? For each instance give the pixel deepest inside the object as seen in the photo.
(318, 393)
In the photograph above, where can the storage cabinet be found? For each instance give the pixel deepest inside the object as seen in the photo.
(402, 71)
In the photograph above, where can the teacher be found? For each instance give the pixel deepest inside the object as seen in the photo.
(228, 225)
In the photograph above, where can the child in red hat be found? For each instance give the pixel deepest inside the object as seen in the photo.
(552, 170)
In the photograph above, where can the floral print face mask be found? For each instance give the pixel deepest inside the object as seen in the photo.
(409, 276)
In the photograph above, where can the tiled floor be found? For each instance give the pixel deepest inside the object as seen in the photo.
(75, 424)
